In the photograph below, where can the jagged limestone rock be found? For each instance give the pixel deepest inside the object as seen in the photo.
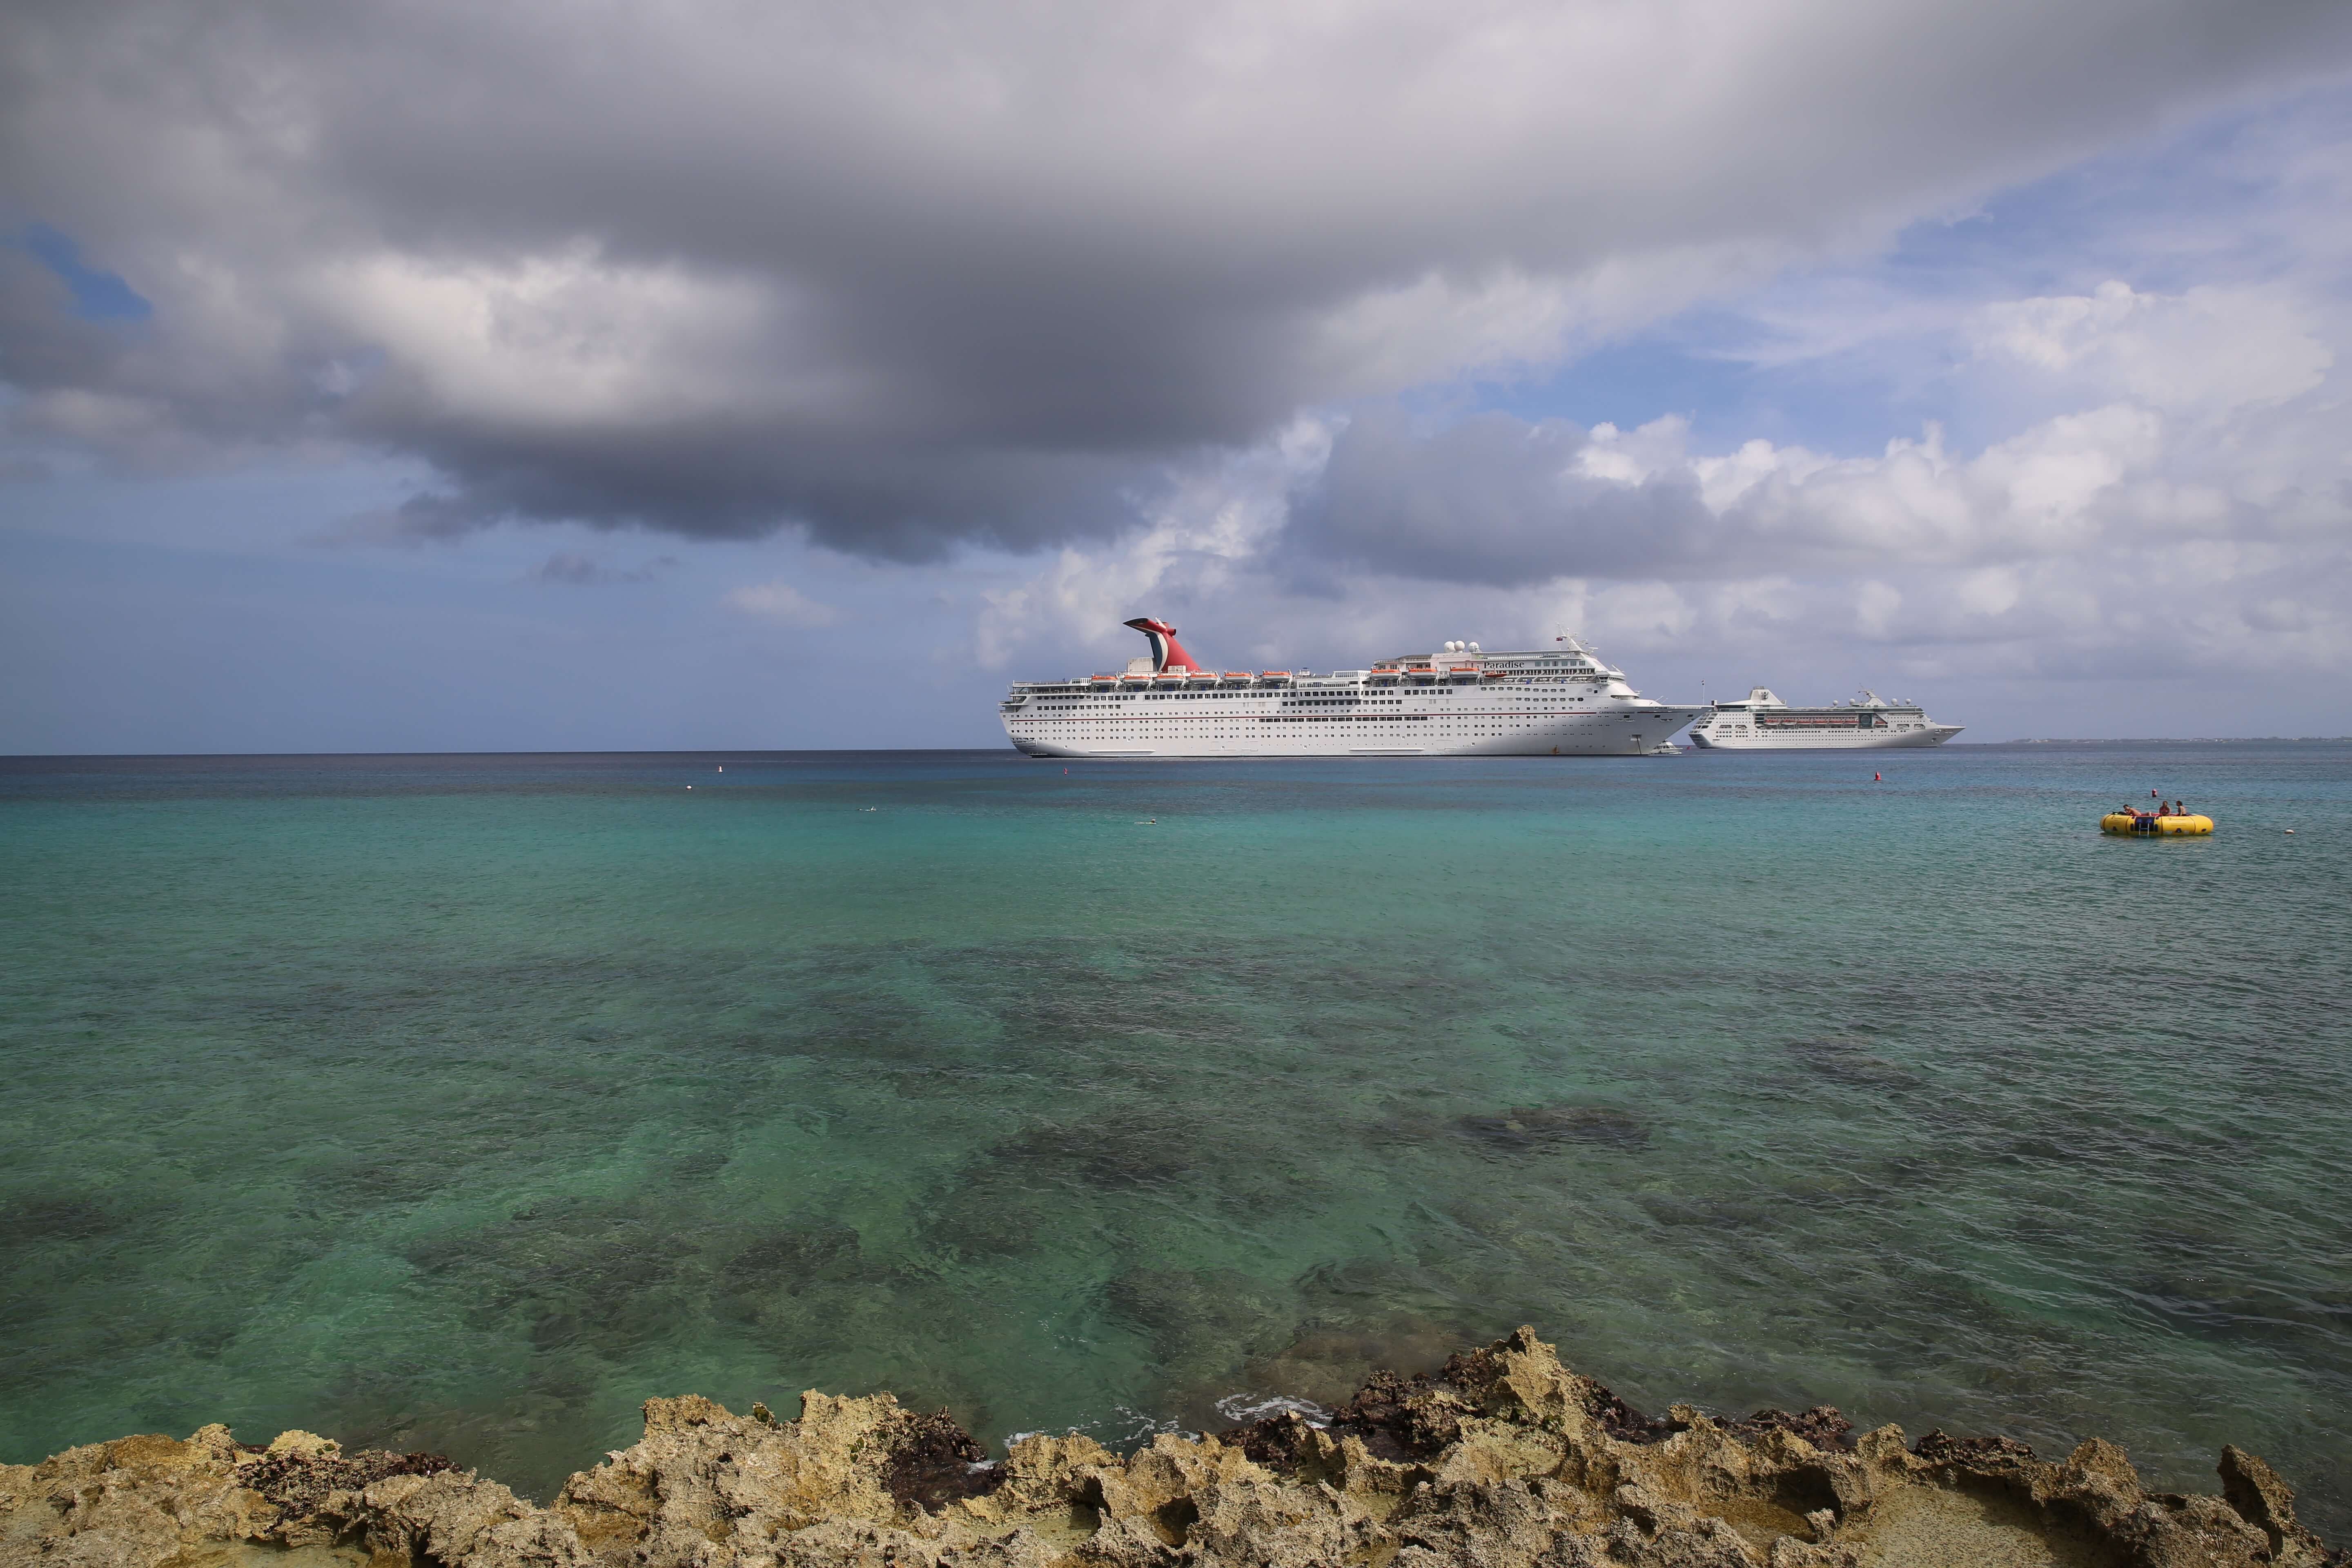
(1502, 1458)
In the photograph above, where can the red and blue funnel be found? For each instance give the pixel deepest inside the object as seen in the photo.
(1167, 653)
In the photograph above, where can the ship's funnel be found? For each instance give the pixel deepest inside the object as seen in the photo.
(1167, 653)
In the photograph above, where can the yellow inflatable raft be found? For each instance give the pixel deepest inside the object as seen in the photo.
(2153, 824)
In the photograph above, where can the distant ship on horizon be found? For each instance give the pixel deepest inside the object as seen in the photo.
(1457, 702)
(1762, 723)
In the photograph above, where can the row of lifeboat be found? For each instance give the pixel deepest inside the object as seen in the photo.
(1237, 680)
(1194, 680)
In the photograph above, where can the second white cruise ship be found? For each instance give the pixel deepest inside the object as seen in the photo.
(1762, 723)
(1459, 701)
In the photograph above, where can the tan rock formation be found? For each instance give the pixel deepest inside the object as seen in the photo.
(1504, 1459)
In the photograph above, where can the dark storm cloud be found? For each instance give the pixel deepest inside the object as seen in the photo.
(903, 501)
(910, 274)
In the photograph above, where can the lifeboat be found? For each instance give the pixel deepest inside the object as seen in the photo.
(2155, 824)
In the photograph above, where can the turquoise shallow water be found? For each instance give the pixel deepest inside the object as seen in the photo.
(464, 1102)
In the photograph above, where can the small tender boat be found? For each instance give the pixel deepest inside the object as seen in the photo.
(2155, 823)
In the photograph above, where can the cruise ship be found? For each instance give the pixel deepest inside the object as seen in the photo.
(1762, 723)
(1457, 702)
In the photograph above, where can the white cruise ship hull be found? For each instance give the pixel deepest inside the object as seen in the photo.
(1463, 725)
(1827, 740)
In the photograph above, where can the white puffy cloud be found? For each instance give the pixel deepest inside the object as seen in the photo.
(2206, 348)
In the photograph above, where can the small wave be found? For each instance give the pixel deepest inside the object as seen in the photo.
(1126, 1425)
(1240, 1409)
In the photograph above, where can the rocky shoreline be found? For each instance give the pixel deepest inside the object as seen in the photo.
(1502, 1458)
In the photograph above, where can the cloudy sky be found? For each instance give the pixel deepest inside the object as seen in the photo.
(547, 376)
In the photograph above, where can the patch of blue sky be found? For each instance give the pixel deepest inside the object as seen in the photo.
(1844, 355)
(138, 642)
(1681, 369)
(98, 296)
(234, 512)
(2234, 198)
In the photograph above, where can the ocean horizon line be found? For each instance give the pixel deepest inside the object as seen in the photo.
(1010, 754)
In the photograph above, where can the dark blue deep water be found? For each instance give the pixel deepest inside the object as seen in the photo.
(463, 1102)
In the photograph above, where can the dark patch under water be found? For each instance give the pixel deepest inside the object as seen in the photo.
(1537, 1126)
(58, 1217)
(1852, 1062)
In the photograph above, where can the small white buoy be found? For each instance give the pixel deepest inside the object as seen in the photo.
(689, 786)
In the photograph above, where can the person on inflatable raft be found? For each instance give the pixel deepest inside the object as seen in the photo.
(2171, 818)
